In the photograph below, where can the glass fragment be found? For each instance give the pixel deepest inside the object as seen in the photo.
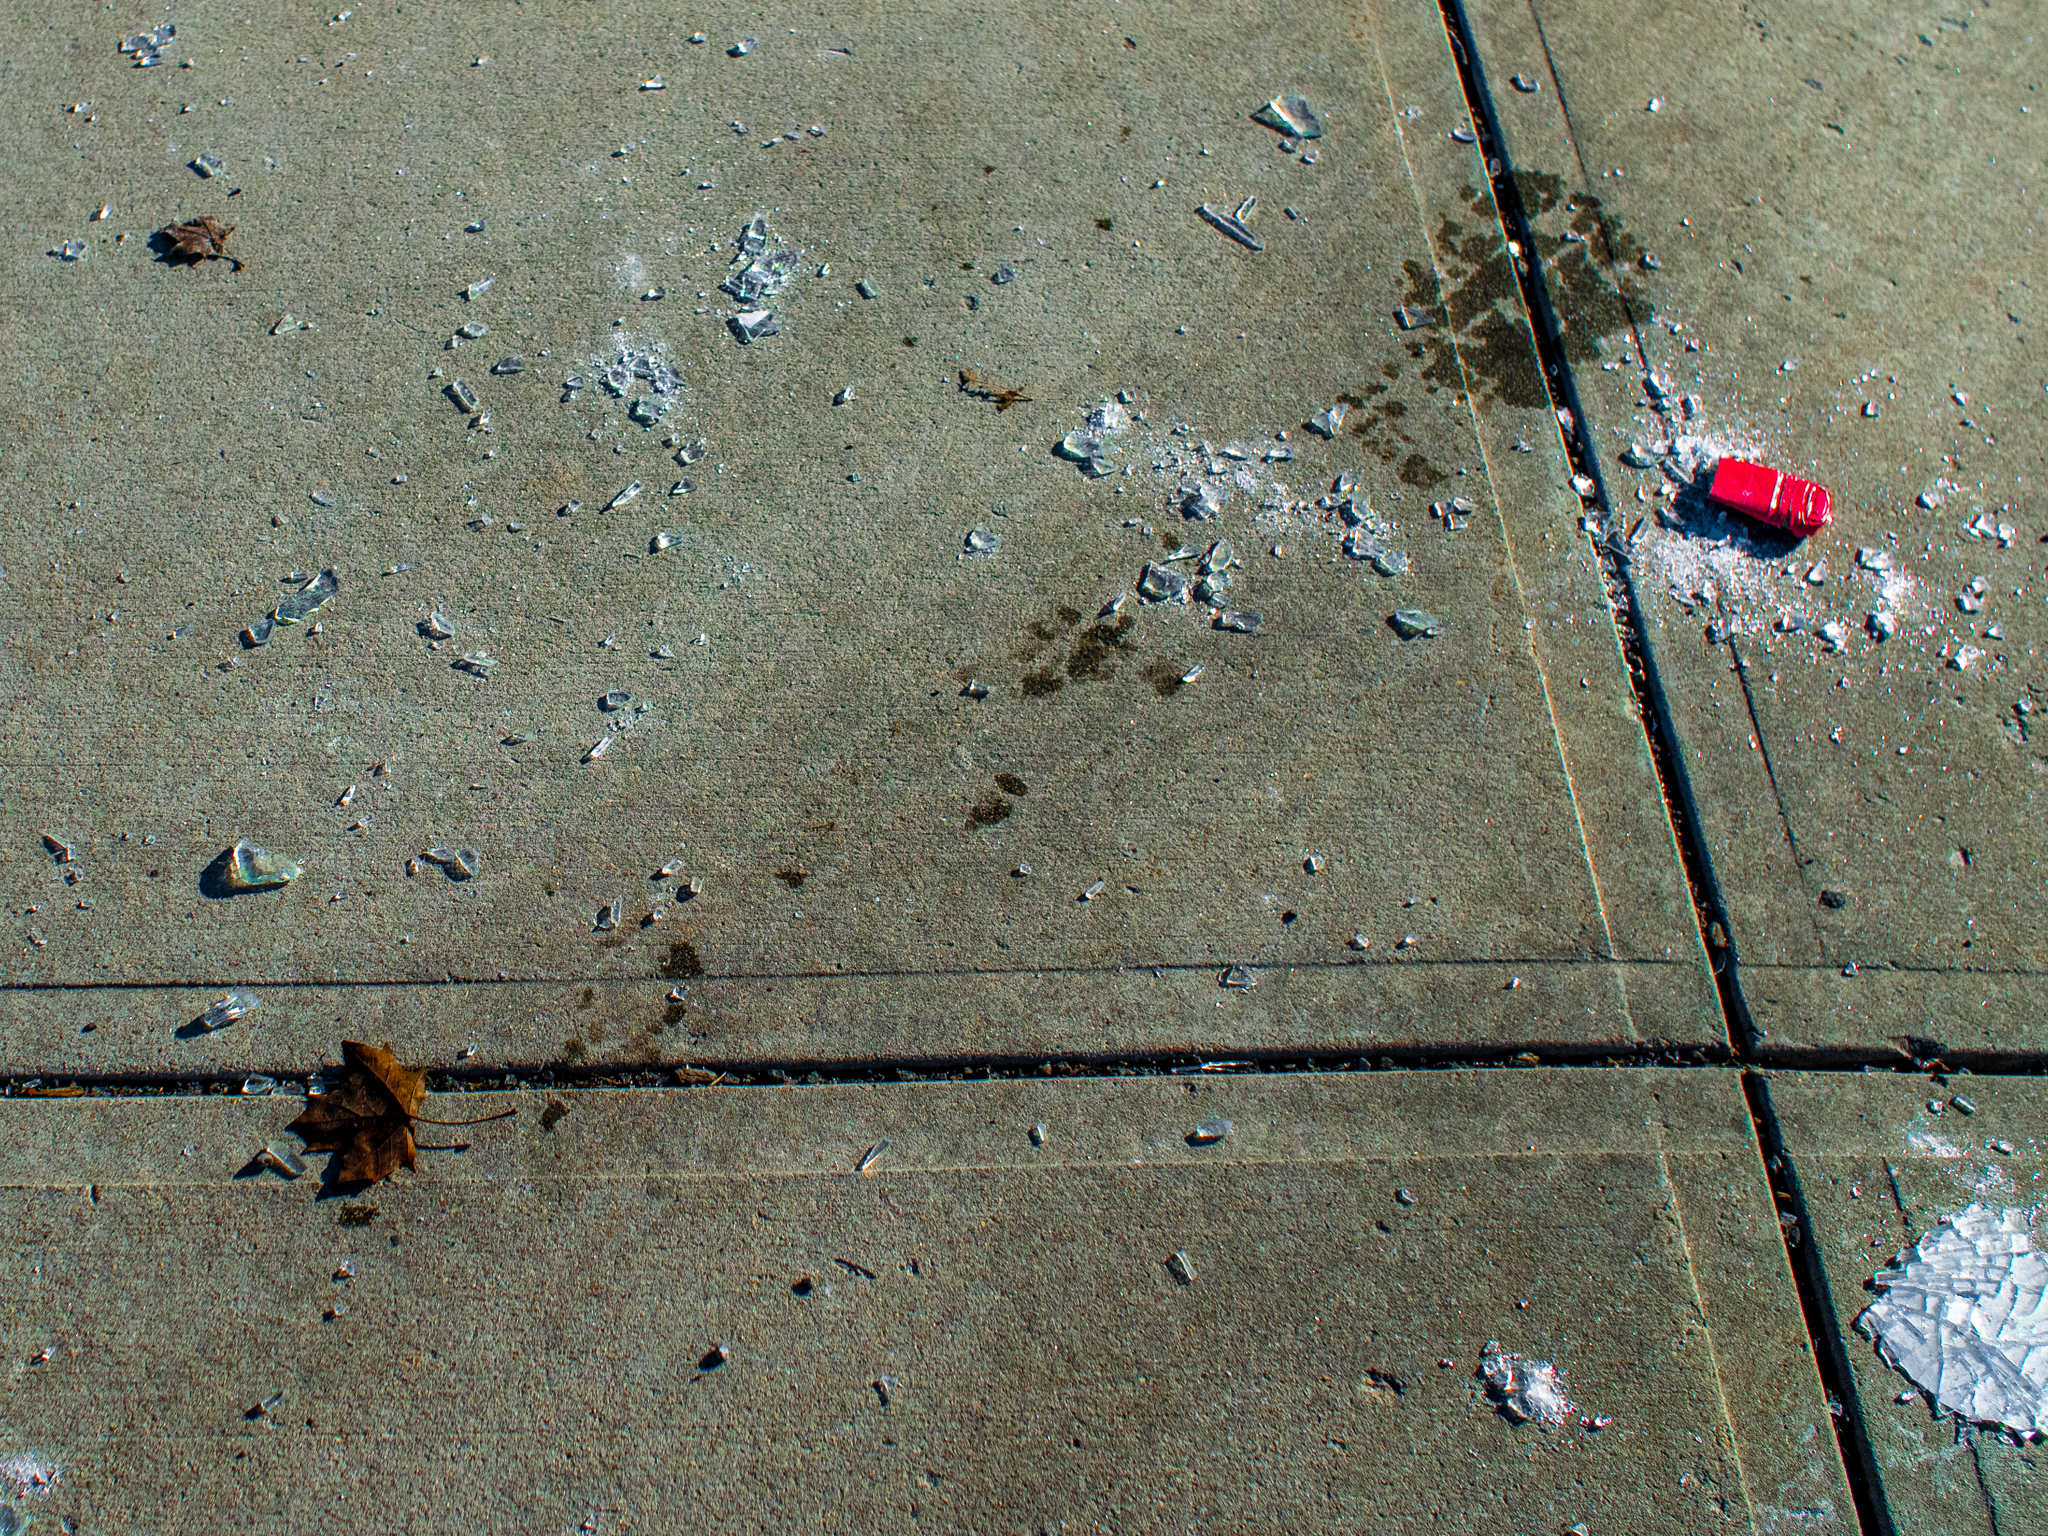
(237, 1004)
(252, 867)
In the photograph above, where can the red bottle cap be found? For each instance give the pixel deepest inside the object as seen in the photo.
(1771, 496)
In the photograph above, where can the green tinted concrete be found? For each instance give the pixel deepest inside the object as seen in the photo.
(1843, 208)
(523, 1343)
(1878, 1166)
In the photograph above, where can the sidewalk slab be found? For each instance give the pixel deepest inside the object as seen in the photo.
(1803, 229)
(1878, 1167)
(528, 1339)
(1477, 805)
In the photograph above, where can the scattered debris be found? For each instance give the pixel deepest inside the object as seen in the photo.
(457, 863)
(1233, 224)
(1002, 398)
(868, 1158)
(1409, 623)
(760, 271)
(147, 48)
(980, 541)
(1208, 1133)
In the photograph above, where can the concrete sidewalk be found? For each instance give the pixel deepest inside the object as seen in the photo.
(976, 1334)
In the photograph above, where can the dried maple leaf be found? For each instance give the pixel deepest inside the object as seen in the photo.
(201, 239)
(369, 1116)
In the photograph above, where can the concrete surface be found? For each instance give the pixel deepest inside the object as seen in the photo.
(1877, 1166)
(1844, 207)
(815, 759)
(520, 1346)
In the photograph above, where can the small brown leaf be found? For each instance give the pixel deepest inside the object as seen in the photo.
(369, 1116)
(201, 239)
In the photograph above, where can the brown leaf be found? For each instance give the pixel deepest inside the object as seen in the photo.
(201, 239)
(368, 1117)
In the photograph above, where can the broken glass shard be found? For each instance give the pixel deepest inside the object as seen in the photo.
(1106, 418)
(289, 1163)
(647, 410)
(1326, 422)
(231, 1006)
(1209, 1132)
(1182, 1267)
(1221, 556)
(1410, 622)
(62, 850)
(1080, 447)
(1389, 562)
(1238, 622)
(476, 289)
(1962, 1318)
(435, 626)
(252, 867)
(1240, 976)
(258, 1085)
(982, 542)
(1414, 317)
(1464, 135)
(259, 632)
(512, 364)
(1094, 890)
(476, 663)
(624, 496)
(1212, 587)
(1003, 275)
(1202, 502)
(309, 599)
(1292, 115)
(207, 165)
(618, 698)
(1162, 584)
(753, 324)
(1232, 225)
(608, 916)
(462, 394)
(71, 250)
(1525, 1390)
(661, 541)
(742, 48)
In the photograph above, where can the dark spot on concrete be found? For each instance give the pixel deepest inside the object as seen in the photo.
(553, 1115)
(1069, 616)
(1040, 685)
(357, 1215)
(988, 170)
(793, 877)
(910, 341)
(682, 962)
(1391, 369)
(1834, 900)
(1105, 223)
(1503, 353)
(1540, 190)
(1090, 660)
(990, 811)
(588, 997)
(1165, 677)
(1420, 473)
(573, 1049)
(1010, 784)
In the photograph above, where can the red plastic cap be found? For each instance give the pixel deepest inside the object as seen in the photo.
(1771, 496)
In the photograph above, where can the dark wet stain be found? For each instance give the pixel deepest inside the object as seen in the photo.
(673, 1015)
(553, 1115)
(1040, 685)
(1391, 369)
(1501, 351)
(988, 170)
(1090, 660)
(1127, 127)
(589, 997)
(990, 811)
(1420, 473)
(682, 962)
(793, 877)
(1165, 677)
(910, 341)
(1010, 784)
(573, 1049)
(1540, 190)
(1594, 301)
(1105, 223)
(357, 1215)
(1069, 616)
